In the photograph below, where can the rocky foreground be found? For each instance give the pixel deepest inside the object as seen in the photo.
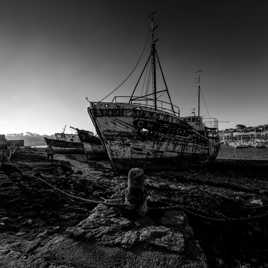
(211, 217)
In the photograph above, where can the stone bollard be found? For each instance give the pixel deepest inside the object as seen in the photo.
(135, 197)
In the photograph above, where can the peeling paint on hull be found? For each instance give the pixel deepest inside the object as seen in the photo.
(135, 136)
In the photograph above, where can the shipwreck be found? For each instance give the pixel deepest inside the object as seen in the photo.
(147, 130)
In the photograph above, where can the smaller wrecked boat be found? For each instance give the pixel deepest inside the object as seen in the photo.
(65, 142)
(92, 145)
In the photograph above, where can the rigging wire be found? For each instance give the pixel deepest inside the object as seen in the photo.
(204, 101)
(149, 78)
(130, 73)
(143, 88)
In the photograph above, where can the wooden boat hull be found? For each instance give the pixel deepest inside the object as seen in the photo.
(137, 136)
(15, 143)
(63, 144)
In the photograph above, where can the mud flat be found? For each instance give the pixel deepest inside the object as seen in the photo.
(210, 217)
(228, 152)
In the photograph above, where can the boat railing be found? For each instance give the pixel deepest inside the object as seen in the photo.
(162, 105)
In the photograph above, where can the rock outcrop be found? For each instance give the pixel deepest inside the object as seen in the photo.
(163, 241)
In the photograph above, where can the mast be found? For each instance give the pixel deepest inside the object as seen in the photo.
(198, 113)
(153, 53)
(151, 63)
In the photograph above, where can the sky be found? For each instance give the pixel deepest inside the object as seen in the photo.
(53, 54)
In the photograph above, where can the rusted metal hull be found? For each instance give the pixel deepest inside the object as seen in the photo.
(92, 145)
(86, 136)
(94, 151)
(140, 136)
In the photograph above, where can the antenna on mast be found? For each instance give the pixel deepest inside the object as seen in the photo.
(199, 90)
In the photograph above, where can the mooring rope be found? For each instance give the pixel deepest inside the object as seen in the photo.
(85, 200)
(186, 209)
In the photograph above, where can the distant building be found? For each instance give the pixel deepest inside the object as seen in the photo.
(243, 136)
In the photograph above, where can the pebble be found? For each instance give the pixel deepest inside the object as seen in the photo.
(21, 233)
